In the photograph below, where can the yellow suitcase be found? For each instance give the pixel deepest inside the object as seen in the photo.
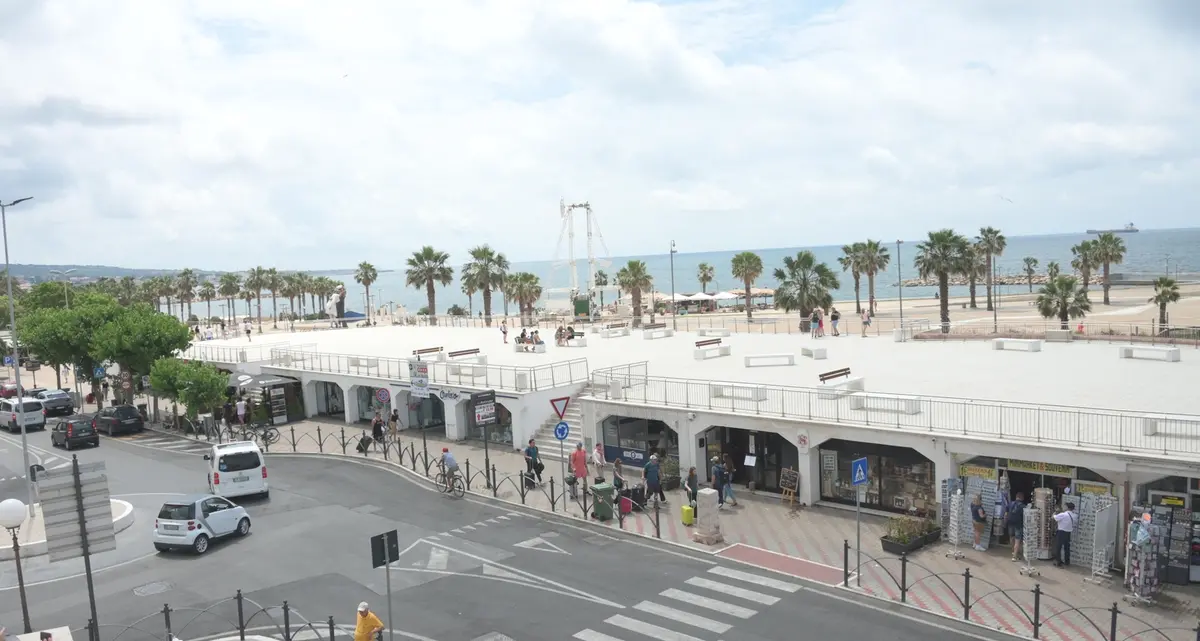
(688, 513)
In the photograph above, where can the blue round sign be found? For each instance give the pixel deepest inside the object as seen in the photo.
(562, 430)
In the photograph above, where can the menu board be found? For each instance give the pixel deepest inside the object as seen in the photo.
(789, 479)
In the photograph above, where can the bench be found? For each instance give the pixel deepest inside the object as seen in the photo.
(712, 331)
(839, 389)
(738, 392)
(1169, 354)
(613, 330)
(530, 348)
(917, 324)
(1059, 336)
(424, 352)
(1152, 422)
(656, 330)
(890, 402)
(361, 362)
(474, 351)
(837, 373)
(1026, 344)
(815, 353)
(578, 341)
(711, 348)
(474, 363)
(772, 360)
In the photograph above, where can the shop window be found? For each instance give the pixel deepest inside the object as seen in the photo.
(633, 439)
(901, 480)
(501, 432)
(1084, 474)
(427, 413)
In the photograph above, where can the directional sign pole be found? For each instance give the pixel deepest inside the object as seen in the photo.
(387, 573)
(859, 477)
(83, 539)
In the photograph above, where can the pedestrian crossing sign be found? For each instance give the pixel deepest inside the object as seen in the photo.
(858, 471)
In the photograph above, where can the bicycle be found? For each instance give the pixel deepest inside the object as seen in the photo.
(263, 433)
(457, 487)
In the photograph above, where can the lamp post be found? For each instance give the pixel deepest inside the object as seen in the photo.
(995, 298)
(16, 358)
(900, 286)
(66, 284)
(674, 324)
(12, 516)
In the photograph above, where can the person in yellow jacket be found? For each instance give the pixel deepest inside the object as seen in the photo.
(368, 625)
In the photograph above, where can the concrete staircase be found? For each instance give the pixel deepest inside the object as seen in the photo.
(548, 446)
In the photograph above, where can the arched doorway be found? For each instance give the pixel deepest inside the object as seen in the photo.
(500, 433)
(427, 414)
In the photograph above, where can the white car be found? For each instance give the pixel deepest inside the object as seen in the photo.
(193, 522)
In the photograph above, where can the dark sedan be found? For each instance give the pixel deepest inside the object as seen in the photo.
(56, 402)
(74, 432)
(121, 419)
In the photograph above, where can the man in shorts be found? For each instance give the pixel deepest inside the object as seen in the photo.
(451, 467)
(1016, 524)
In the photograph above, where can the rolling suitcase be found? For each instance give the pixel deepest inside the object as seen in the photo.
(626, 505)
(530, 483)
(364, 444)
(638, 496)
(688, 514)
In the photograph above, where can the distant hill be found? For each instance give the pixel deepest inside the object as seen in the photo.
(39, 273)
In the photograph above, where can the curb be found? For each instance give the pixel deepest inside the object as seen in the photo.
(121, 522)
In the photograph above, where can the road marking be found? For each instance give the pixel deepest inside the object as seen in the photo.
(468, 527)
(741, 593)
(491, 570)
(502, 518)
(683, 617)
(709, 604)
(542, 545)
(177, 445)
(457, 531)
(492, 520)
(592, 635)
(648, 629)
(754, 578)
(60, 466)
(438, 559)
(481, 524)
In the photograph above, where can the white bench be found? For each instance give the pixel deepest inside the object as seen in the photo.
(890, 402)
(1151, 423)
(1059, 336)
(704, 352)
(815, 353)
(917, 324)
(658, 332)
(738, 392)
(614, 332)
(578, 341)
(358, 361)
(845, 386)
(530, 348)
(712, 331)
(1169, 354)
(1027, 344)
(772, 360)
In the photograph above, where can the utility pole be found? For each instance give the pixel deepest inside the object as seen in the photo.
(674, 324)
(900, 287)
(16, 356)
(66, 284)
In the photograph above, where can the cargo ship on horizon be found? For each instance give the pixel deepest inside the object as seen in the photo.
(1127, 229)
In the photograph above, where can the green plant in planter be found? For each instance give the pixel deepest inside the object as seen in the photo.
(668, 468)
(902, 529)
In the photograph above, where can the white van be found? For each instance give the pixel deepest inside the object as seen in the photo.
(33, 414)
(237, 469)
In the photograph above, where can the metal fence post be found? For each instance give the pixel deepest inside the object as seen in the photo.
(657, 521)
(320, 441)
(287, 622)
(495, 490)
(332, 630)
(553, 495)
(904, 578)
(967, 594)
(1112, 626)
(241, 617)
(343, 440)
(845, 563)
(1037, 610)
(467, 463)
(167, 620)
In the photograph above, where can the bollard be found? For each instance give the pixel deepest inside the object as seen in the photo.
(167, 620)
(241, 617)
(1112, 628)
(553, 495)
(904, 578)
(967, 594)
(287, 622)
(496, 490)
(467, 463)
(320, 441)
(332, 630)
(845, 563)
(657, 521)
(343, 440)
(585, 497)
(293, 430)
(1037, 610)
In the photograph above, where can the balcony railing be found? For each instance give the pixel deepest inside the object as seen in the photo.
(1175, 435)
(465, 372)
(243, 353)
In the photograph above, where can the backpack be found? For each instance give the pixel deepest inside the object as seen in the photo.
(1016, 514)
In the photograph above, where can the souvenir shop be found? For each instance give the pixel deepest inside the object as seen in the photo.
(633, 440)
(1170, 527)
(1026, 476)
(901, 479)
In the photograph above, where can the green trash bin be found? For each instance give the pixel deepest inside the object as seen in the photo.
(603, 495)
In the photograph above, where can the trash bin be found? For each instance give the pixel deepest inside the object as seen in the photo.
(602, 508)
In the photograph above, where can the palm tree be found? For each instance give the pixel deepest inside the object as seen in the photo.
(941, 255)
(635, 278)
(486, 273)
(972, 267)
(256, 280)
(601, 281)
(468, 288)
(1052, 270)
(274, 282)
(1084, 261)
(705, 274)
(127, 290)
(293, 289)
(427, 268)
(166, 290)
(229, 285)
(992, 244)
(305, 285)
(851, 261)
(526, 288)
(249, 295)
(1063, 298)
(747, 267)
(366, 275)
(207, 293)
(1110, 250)
(148, 293)
(875, 259)
(804, 284)
(1166, 291)
(1031, 265)
(185, 289)
(324, 287)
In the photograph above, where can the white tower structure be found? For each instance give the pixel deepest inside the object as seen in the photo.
(567, 213)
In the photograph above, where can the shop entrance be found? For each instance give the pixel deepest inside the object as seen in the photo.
(427, 414)
(757, 457)
(633, 440)
(369, 403)
(901, 479)
(330, 401)
(500, 433)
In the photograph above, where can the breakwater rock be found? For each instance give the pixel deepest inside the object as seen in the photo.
(961, 281)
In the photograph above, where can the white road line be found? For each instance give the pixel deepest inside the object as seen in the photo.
(592, 635)
(153, 440)
(457, 531)
(60, 466)
(741, 593)
(468, 527)
(648, 629)
(709, 604)
(502, 518)
(481, 524)
(438, 559)
(683, 617)
(176, 445)
(491, 520)
(754, 578)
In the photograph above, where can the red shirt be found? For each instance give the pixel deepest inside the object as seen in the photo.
(579, 463)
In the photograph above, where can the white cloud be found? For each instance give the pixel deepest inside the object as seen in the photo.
(312, 135)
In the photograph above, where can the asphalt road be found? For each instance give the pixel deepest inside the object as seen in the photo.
(468, 569)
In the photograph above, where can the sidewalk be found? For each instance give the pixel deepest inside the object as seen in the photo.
(1000, 597)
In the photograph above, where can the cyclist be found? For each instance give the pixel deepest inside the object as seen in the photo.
(449, 468)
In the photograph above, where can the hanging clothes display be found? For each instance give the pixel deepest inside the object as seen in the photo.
(1143, 560)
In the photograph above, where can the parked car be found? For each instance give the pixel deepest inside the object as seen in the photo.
(194, 521)
(8, 390)
(73, 432)
(32, 414)
(120, 419)
(56, 402)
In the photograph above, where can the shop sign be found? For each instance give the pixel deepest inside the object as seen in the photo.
(802, 441)
(1171, 501)
(626, 454)
(418, 374)
(485, 407)
(977, 471)
(1015, 465)
(448, 395)
(1083, 487)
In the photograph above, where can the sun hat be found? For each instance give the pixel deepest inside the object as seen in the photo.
(362, 607)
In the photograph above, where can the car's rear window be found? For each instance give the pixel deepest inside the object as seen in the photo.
(54, 394)
(81, 427)
(31, 406)
(125, 411)
(177, 512)
(238, 462)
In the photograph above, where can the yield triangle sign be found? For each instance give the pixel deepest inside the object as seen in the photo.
(538, 543)
(560, 405)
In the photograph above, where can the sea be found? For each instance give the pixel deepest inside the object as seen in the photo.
(1150, 253)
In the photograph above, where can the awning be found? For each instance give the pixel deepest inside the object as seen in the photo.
(699, 297)
(724, 296)
(244, 380)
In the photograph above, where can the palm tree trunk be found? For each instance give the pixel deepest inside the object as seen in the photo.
(749, 307)
(275, 311)
(368, 290)
(1162, 316)
(209, 303)
(944, 300)
(431, 298)
(971, 284)
(871, 292)
(989, 282)
(1030, 280)
(1064, 319)
(857, 293)
(1086, 275)
(487, 306)
(1106, 283)
(259, 297)
(637, 308)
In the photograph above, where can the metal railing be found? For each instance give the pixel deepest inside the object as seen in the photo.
(1076, 427)
(242, 353)
(462, 372)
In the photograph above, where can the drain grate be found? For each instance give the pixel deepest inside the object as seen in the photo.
(158, 587)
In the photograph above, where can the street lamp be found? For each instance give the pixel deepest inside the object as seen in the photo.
(674, 312)
(900, 286)
(12, 516)
(16, 358)
(66, 284)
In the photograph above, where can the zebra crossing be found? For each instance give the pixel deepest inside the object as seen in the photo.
(166, 442)
(711, 603)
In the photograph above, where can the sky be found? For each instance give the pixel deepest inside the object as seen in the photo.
(298, 134)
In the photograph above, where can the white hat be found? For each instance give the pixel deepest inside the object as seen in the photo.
(362, 607)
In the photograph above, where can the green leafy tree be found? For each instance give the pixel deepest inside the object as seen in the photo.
(43, 333)
(366, 275)
(1109, 251)
(991, 243)
(804, 285)
(875, 259)
(1053, 269)
(635, 278)
(47, 295)
(747, 267)
(64, 337)
(486, 273)
(1166, 291)
(197, 386)
(1063, 298)
(943, 253)
(137, 337)
(705, 274)
(1084, 261)
(851, 261)
(601, 282)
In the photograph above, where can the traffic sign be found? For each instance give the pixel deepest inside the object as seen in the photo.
(383, 395)
(562, 430)
(145, 380)
(385, 548)
(484, 404)
(125, 384)
(98, 372)
(8, 360)
(858, 472)
(560, 405)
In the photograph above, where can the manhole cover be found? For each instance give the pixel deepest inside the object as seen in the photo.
(158, 587)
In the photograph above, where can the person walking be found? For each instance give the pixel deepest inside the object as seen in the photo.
(814, 323)
(394, 425)
(834, 317)
(866, 322)
(1016, 524)
(727, 486)
(339, 302)
(1066, 521)
(241, 410)
(717, 478)
(579, 469)
(504, 330)
(652, 476)
(979, 521)
(368, 625)
(377, 430)
(533, 462)
(691, 486)
(598, 458)
(246, 328)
